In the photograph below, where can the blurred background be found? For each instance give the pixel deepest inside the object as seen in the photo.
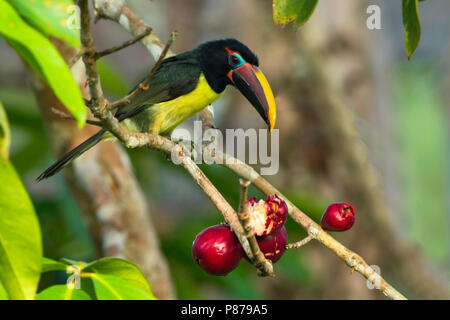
(358, 123)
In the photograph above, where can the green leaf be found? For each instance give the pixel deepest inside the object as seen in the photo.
(52, 265)
(43, 58)
(411, 23)
(70, 262)
(108, 287)
(20, 237)
(3, 293)
(286, 11)
(5, 135)
(62, 292)
(54, 18)
(122, 269)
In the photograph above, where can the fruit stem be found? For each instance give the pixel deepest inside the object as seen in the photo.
(300, 243)
(264, 266)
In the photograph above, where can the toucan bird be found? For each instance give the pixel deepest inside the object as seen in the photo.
(182, 86)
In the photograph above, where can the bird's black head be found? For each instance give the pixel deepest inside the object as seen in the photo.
(215, 62)
(230, 62)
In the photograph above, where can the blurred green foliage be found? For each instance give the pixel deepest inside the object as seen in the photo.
(421, 123)
(113, 82)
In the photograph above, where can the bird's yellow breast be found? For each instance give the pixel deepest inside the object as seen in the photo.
(167, 115)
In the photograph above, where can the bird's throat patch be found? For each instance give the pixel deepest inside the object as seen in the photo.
(167, 115)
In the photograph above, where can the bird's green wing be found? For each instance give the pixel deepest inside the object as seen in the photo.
(176, 76)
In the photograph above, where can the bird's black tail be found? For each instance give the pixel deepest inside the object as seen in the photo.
(71, 155)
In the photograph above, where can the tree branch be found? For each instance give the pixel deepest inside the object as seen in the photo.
(257, 258)
(100, 54)
(97, 102)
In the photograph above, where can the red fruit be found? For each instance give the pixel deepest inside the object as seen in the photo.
(251, 201)
(338, 217)
(273, 246)
(268, 216)
(217, 250)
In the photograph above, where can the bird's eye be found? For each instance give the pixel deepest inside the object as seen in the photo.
(235, 60)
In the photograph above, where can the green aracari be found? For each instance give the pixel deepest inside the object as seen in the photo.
(182, 86)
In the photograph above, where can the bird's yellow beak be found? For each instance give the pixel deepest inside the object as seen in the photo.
(252, 83)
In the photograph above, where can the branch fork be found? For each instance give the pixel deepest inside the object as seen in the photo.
(255, 255)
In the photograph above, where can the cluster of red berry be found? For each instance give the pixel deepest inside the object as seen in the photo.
(217, 250)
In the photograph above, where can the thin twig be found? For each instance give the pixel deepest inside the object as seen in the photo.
(66, 116)
(300, 243)
(75, 58)
(93, 122)
(97, 103)
(144, 85)
(100, 54)
(243, 208)
(257, 258)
